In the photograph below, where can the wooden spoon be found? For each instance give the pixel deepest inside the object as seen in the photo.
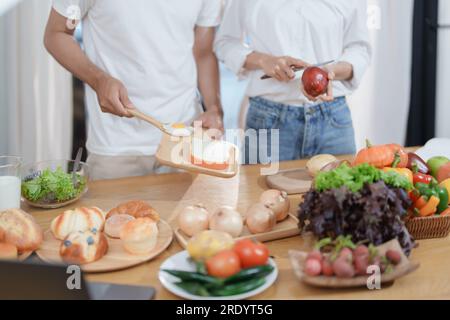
(167, 128)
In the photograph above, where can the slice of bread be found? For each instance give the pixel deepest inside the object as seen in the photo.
(211, 154)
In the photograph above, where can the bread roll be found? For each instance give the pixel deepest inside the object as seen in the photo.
(8, 251)
(136, 208)
(115, 224)
(83, 247)
(20, 229)
(79, 219)
(139, 236)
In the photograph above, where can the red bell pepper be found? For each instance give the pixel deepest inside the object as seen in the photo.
(422, 178)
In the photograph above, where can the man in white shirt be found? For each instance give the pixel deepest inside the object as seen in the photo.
(153, 55)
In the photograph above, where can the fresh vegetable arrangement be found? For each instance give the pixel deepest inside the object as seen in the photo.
(238, 269)
(345, 259)
(431, 193)
(53, 187)
(363, 202)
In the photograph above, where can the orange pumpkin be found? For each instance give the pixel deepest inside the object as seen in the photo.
(400, 154)
(388, 155)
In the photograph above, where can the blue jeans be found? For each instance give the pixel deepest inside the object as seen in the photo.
(302, 131)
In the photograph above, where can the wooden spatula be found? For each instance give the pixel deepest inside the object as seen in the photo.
(168, 128)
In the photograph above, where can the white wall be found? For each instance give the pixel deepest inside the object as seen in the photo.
(5, 5)
(443, 88)
(380, 106)
(3, 97)
(37, 90)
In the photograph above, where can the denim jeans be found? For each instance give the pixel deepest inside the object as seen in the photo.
(302, 131)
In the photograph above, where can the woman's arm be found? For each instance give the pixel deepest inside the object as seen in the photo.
(357, 51)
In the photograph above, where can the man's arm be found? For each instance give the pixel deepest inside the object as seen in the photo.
(208, 77)
(59, 42)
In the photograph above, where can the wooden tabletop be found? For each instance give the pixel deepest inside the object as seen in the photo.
(169, 193)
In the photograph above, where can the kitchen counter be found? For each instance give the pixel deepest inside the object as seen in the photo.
(169, 193)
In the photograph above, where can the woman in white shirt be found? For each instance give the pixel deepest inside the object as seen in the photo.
(260, 37)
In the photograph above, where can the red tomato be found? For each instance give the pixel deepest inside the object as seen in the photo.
(224, 264)
(251, 253)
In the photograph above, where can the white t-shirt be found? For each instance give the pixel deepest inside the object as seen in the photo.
(148, 46)
(312, 30)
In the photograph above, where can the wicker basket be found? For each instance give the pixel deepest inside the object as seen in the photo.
(429, 227)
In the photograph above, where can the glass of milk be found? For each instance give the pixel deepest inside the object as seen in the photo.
(10, 182)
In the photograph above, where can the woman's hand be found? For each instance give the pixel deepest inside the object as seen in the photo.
(326, 97)
(281, 68)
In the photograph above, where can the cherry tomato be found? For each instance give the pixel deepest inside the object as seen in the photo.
(251, 253)
(422, 178)
(224, 264)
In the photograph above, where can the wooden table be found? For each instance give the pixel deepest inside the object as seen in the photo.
(168, 193)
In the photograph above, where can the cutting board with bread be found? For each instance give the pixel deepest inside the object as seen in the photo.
(127, 235)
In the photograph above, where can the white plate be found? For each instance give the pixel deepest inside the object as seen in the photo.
(181, 261)
(435, 147)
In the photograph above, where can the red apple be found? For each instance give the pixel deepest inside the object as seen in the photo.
(315, 81)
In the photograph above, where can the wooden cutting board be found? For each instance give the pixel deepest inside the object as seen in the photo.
(284, 229)
(175, 152)
(295, 181)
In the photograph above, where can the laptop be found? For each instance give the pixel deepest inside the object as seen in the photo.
(41, 281)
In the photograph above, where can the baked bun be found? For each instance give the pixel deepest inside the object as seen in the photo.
(115, 224)
(139, 236)
(136, 208)
(20, 229)
(83, 247)
(79, 219)
(8, 251)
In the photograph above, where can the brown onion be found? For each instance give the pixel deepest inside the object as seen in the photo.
(193, 219)
(260, 219)
(228, 220)
(278, 201)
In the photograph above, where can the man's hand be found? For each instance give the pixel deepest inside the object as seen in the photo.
(113, 96)
(213, 120)
(280, 68)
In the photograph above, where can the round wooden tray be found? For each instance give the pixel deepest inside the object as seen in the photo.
(24, 255)
(115, 259)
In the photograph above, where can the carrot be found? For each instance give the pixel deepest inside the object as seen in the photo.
(446, 212)
(430, 208)
(421, 202)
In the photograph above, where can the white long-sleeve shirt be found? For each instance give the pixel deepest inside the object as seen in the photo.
(312, 30)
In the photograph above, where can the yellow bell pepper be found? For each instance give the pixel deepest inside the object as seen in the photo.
(446, 184)
(430, 208)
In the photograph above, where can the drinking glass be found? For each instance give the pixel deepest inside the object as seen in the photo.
(10, 182)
